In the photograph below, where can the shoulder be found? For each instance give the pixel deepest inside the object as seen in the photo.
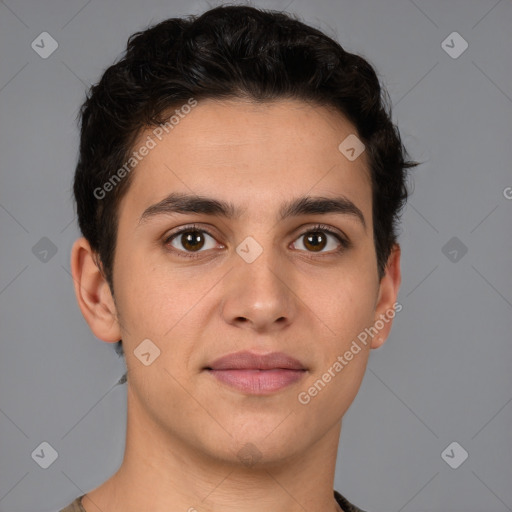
(75, 506)
(345, 504)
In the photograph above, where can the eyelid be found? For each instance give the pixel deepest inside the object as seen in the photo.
(344, 241)
(184, 229)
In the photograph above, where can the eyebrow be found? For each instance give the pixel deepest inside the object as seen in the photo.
(307, 205)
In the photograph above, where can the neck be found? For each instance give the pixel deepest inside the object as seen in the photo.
(161, 472)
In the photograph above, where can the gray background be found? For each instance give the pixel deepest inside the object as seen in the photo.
(444, 373)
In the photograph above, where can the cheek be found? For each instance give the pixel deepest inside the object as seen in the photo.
(344, 307)
(150, 298)
(158, 303)
(343, 302)
(342, 357)
(327, 396)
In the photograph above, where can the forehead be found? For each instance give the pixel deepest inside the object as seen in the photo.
(252, 154)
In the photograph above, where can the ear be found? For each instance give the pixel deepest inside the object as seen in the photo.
(386, 306)
(93, 293)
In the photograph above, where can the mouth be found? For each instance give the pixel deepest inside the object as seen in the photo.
(257, 374)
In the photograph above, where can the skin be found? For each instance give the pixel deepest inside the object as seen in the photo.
(185, 428)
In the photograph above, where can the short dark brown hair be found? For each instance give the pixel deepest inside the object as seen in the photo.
(230, 52)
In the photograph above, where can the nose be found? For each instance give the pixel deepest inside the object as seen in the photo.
(259, 295)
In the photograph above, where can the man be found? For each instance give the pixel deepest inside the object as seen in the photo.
(238, 187)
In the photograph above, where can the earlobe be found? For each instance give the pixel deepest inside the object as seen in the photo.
(93, 293)
(386, 307)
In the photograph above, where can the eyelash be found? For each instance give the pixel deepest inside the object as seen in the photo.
(344, 243)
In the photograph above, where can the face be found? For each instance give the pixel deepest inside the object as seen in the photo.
(246, 309)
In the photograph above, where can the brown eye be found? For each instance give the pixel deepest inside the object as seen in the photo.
(318, 238)
(315, 241)
(190, 240)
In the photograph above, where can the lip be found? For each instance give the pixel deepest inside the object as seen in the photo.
(251, 361)
(257, 374)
